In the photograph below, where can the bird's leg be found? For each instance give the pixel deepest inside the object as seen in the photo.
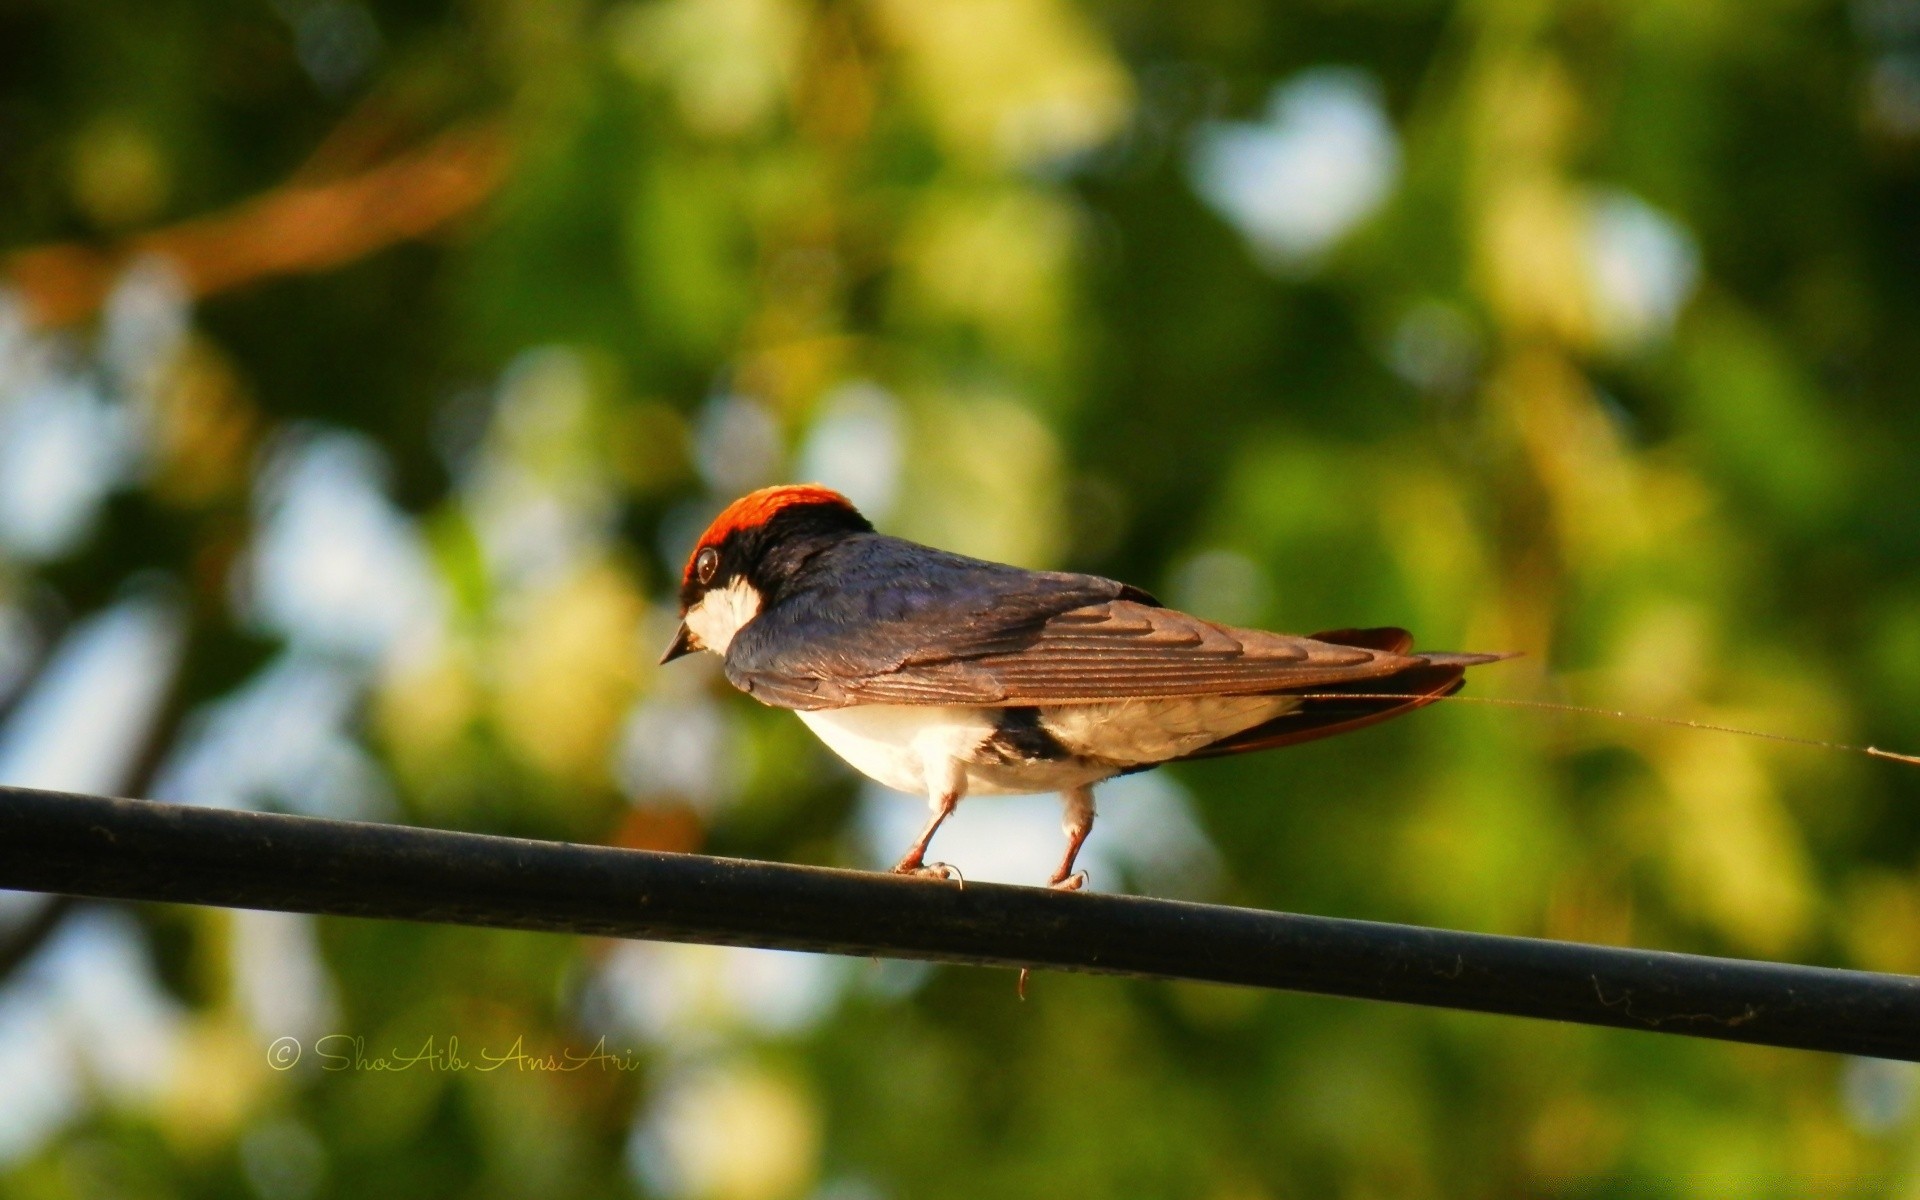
(942, 795)
(912, 862)
(1076, 823)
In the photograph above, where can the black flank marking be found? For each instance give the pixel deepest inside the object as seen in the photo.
(1020, 738)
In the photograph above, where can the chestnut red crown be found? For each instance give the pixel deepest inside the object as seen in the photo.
(757, 508)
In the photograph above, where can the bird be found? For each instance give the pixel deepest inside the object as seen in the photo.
(931, 672)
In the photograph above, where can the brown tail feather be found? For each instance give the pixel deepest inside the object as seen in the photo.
(1319, 718)
(1389, 638)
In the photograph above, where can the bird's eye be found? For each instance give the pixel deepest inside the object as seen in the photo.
(706, 565)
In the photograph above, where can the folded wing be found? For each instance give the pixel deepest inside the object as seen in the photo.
(1117, 649)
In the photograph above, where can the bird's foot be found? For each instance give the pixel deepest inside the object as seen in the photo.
(935, 870)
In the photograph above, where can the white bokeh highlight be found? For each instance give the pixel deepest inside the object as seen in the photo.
(1323, 160)
(1644, 266)
(686, 999)
(737, 444)
(336, 568)
(282, 740)
(83, 1021)
(72, 428)
(64, 448)
(857, 445)
(679, 744)
(85, 722)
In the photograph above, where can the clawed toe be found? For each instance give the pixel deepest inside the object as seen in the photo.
(933, 870)
(1071, 883)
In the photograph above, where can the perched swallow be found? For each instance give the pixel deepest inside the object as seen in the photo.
(936, 673)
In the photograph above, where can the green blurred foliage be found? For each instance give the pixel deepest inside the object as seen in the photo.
(1618, 370)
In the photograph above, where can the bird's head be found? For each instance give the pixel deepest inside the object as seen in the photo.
(750, 551)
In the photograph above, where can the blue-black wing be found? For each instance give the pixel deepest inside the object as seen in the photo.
(874, 620)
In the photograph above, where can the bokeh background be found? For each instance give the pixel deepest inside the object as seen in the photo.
(368, 366)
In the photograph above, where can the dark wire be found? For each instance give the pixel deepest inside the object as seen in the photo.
(138, 850)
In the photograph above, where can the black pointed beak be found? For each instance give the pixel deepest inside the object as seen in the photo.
(682, 645)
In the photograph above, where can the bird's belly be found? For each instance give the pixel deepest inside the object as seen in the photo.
(1007, 751)
(903, 746)
(892, 743)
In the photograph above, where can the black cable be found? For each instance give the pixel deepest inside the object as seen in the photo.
(137, 850)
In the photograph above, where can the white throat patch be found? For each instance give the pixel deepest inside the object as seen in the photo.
(721, 613)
